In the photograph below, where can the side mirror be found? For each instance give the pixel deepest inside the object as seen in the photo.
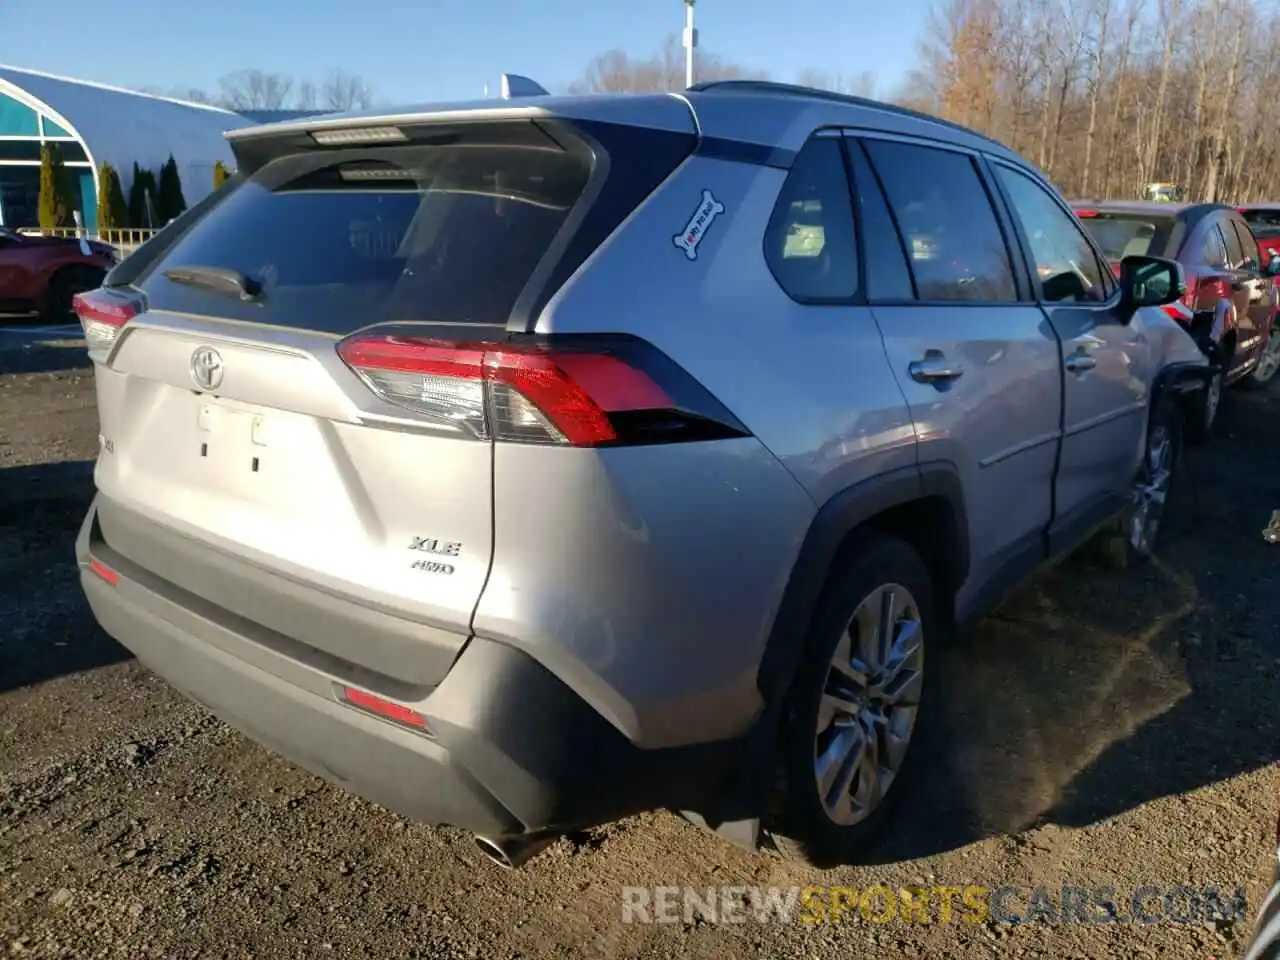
(1150, 282)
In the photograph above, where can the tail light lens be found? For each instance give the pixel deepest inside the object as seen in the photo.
(102, 314)
(1180, 311)
(588, 393)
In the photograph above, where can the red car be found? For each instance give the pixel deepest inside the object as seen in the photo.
(1232, 297)
(1264, 221)
(42, 274)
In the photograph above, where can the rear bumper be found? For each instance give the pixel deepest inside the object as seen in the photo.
(511, 750)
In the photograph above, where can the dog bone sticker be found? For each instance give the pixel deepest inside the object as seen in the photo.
(689, 238)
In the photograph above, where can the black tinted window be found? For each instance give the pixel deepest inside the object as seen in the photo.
(1235, 253)
(809, 242)
(888, 277)
(1062, 256)
(1247, 242)
(340, 240)
(1215, 250)
(954, 242)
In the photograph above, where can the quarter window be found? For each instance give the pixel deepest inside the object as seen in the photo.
(953, 240)
(1065, 262)
(809, 243)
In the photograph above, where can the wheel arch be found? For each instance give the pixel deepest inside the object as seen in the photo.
(922, 504)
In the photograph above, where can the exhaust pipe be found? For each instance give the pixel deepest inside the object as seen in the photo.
(511, 852)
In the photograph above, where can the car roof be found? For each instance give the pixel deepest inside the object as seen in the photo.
(773, 115)
(1188, 213)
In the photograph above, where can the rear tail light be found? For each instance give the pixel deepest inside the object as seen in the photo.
(386, 709)
(594, 392)
(102, 313)
(1179, 311)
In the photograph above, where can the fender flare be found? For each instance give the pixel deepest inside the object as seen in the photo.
(745, 799)
(1180, 380)
(834, 521)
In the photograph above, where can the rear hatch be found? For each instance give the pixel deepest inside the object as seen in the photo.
(234, 416)
(1121, 234)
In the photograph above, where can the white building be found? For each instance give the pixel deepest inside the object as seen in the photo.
(95, 124)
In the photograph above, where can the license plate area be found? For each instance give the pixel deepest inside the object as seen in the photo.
(233, 439)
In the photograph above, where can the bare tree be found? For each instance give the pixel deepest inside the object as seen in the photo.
(1109, 94)
(255, 90)
(307, 98)
(616, 72)
(861, 84)
(344, 91)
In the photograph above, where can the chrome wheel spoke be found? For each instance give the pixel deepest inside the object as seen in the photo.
(870, 788)
(895, 750)
(837, 766)
(867, 709)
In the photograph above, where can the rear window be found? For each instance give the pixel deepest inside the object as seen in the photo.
(339, 240)
(1265, 224)
(1121, 236)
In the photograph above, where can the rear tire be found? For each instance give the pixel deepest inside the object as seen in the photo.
(65, 284)
(855, 706)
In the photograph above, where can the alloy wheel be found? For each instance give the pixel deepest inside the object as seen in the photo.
(1212, 401)
(1269, 362)
(870, 701)
(1151, 489)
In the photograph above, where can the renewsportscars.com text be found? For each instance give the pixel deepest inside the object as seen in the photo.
(974, 903)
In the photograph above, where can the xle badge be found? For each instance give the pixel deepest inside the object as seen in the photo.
(689, 238)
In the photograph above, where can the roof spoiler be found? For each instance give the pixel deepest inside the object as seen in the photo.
(514, 85)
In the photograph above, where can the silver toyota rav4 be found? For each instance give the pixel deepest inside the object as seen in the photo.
(524, 464)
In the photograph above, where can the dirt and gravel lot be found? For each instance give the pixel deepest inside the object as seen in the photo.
(1107, 730)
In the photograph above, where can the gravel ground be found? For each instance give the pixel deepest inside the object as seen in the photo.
(1107, 729)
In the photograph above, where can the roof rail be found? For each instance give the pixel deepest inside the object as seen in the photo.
(514, 85)
(814, 93)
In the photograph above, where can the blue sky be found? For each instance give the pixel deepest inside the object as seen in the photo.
(415, 50)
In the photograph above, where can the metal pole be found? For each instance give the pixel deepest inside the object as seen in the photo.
(690, 42)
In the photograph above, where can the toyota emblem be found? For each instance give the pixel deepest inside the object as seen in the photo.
(206, 368)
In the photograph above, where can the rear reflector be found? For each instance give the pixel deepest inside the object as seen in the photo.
(101, 314)
(591, 393)
(394, 712)
(103, 572)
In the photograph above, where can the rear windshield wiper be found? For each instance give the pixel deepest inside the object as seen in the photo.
(217, 279)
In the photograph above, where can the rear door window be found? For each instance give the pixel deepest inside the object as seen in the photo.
(1247, 242)
(339, 240)
(953, 240)
(1235, 252)
(1215, 249)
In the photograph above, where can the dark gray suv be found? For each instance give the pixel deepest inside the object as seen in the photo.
(524, 464)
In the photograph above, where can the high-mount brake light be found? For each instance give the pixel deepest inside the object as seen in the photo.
(582, 395)
(353, 136)
(102, 314)
(1086, 214)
